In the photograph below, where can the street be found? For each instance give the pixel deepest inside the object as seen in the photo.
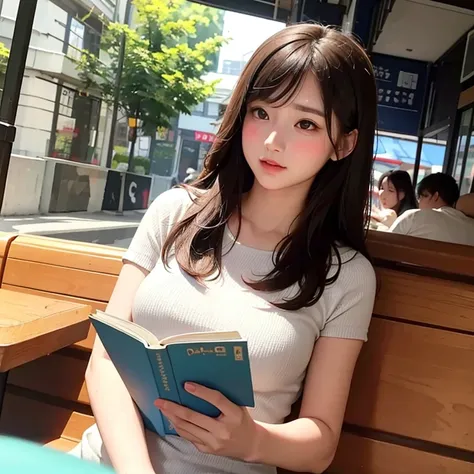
(102, 227)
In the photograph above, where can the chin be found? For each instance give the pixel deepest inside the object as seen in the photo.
(270, 184)
(275, 183)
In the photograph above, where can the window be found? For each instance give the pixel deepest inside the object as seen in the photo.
(82, 36)
(462, 146)
(76, 39)
(468, 174)
(75, 137)
(433, 152)
(233, 68)
(199, 109)
(92, 40)
(212, 109)
(399, 152)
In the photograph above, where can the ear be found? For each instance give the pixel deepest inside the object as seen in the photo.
(435, 197)
(401, 195)
(346, 145)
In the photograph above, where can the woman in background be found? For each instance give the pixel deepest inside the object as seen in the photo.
(396, 195)
(465, 204)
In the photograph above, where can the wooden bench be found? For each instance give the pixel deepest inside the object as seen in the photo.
(5, 240)
(411, 407)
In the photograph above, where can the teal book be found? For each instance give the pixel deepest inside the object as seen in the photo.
(152, 368)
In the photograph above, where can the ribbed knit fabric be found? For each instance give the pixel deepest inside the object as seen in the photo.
(280, 342)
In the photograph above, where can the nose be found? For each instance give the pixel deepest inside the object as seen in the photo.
(274, 142)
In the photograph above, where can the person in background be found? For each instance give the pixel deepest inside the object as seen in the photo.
(396, 195)
(191, 175)
(465, 204)
(437, 219)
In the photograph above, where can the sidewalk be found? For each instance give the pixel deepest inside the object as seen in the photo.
(74, 222)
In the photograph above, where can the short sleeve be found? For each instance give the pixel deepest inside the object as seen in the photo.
(403, 223)
(353, 296)
(164, 212)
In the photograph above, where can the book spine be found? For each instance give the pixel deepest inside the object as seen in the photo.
(165, 382)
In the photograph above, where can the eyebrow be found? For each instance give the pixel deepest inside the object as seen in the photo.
(311, 110)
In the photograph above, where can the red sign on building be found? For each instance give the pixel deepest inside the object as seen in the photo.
(204, 137)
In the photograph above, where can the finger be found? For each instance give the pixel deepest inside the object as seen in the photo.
(193, 433)
(189, 437)
(212, 396)
(198, 419)
(203, 448)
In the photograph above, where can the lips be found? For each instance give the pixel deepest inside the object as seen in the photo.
(272, 163)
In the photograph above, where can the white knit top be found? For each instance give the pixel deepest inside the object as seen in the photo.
(280, 342)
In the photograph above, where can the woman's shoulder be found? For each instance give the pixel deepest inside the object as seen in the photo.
(172, 198)
(356, 272)
(349, 300)
(171, 205)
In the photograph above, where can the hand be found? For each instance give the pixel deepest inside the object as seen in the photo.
(232, 434)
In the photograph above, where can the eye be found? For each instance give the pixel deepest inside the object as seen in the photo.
(306, 125)
(259, 113)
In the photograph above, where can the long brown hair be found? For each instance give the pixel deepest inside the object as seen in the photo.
(335, 209)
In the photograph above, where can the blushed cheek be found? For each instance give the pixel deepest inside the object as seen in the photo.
(310, 150)
(249, 131)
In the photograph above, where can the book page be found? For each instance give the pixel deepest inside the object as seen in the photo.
(202, 337)
(128, 327)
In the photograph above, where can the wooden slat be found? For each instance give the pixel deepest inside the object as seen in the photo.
(66, 253)
(442, 256)
(57, 375)
(5, 242)
(53, 279)
(415, 381)
(62, 444)
(28, 316)
(27, 351)
(429, 300)
(359, 455)
(88, 342)
(32, 326)
(40, 421)
(94, 304)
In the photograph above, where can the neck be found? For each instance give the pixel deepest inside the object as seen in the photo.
(274, 210)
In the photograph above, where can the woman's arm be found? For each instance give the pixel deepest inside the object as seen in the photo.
(465, 204)
(306, 444)
(118, 419)
(309, 443)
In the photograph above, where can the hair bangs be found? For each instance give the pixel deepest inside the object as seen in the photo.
(281, 76)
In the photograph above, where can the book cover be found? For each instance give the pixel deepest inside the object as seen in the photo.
(152, 369)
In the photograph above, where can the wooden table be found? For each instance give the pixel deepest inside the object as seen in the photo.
(34, 326)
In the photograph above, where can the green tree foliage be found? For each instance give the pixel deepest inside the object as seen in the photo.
(163, 62)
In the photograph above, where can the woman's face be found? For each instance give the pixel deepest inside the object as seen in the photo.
(389, 198)
(286, 146)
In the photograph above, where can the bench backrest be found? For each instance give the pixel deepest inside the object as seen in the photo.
(411, 407)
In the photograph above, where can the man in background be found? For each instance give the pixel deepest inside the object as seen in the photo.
(437, 218)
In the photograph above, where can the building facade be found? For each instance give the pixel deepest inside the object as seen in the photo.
(56, 117)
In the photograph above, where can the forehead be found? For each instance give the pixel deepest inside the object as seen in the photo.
(307, 92)
(386, 183)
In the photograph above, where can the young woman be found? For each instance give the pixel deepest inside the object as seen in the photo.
(396, 195)
(270, 241)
